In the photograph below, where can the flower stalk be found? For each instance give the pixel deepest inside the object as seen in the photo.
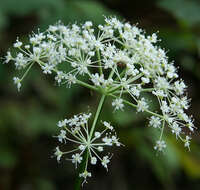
(121, 62)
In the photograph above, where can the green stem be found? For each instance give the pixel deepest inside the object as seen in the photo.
(99, 62)
(97, 114)
(128, 82)
(135, 106)
(121, 75)
(162, 130)
(26, 72)
(141, 90)
(79, 180)
(125, 101)
(83, 165)
(86, 85)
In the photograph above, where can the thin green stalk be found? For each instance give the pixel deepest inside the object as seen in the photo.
(99, 62)
(26, 72)
(128, 82)
(162, 130)
(97, 114)
(83, 164)
(79, 180)
(141, 90)
(86, 85)
(135, 106)
(121, 75)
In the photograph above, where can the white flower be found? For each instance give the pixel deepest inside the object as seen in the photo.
(145, 80)
(187, 142)
(58, 153)
(179, 87)
(8, 57)
(107, 125)
(18, 44)
(135, 91)
(164, 107)
(160, 145)
(176, 129)
(155, 122)
(70, 79)
(115, 141)
(107, 141)
(120, 61)
(142, 105)
(162, 83)
(100, 148)
(105, 161)
(60, 76)
(82, 147)
(76, 159)
(20, 61)
(118, 104)
(17, 81)
(97, 80)
(93, 160)
(47, 69)
(159, 93)
(53, 28)
(85, 174)
(76, 130)
(97, 134)
(61, 123)
(62, 136)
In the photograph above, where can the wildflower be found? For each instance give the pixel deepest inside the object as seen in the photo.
(122, 62)
(105, 161)
(17, 44)
(176, 129)
(145, 80)
(62, 136)
(76, 158)
(187, 142)
(107, 141)
(142, 105)
(118, 104)
(160, 145)
(17, 81)
(47, 69)
(62, 123)
(107, 125)
(97, 134)
(179, 87)
(97, 80)
(135, 91)
(85, 174)
(93, 160)
(155, 122)
(8, 57)
(76, 130)
(100, 148)
(60, 76)
(58, 153)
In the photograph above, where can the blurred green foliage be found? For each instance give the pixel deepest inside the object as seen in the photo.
(186, 12)
(28, 119)
(50, 11)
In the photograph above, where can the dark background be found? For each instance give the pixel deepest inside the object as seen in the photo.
(28, 118)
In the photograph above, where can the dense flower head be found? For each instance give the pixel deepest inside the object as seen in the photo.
(116, 59)
(77, 131)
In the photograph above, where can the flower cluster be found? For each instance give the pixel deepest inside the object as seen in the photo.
(116, 59)
(77, 131)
